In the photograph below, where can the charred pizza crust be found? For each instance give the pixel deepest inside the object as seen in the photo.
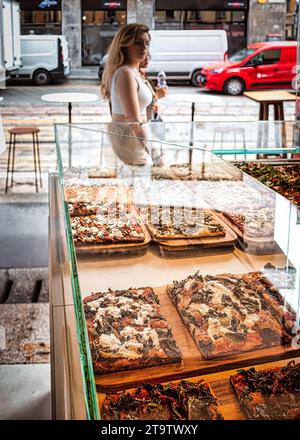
(228, 314)
(181, 401)
(269, 394)
(173, 222)
(127, 330)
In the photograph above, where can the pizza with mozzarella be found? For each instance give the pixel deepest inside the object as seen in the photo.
(230, 313)
(127, 330)
(172, 222)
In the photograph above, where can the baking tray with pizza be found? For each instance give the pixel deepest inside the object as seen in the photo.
(249, 212)
(176, 229)
(103, 220)
(215, 323)
(255, 392)
(184, 400)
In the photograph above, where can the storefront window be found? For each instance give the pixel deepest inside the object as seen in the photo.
(41, 22)
(98, 30)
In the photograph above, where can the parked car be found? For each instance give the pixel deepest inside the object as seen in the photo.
(182, 54)
(44, 58)
(265, 65)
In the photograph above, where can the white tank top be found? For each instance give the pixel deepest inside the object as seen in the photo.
(144, 93)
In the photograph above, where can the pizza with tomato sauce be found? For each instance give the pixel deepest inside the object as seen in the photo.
(269, 394)
(181, 401)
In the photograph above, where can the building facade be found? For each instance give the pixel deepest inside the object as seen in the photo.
(90, 25)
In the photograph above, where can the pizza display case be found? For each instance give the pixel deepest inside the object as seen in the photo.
(178, 268)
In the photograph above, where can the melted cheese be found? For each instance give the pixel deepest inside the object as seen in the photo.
(251, 320)
(202, 308)
(109, 341)
(145, 311)
(128, 331)
(219, 291)
(109, 346)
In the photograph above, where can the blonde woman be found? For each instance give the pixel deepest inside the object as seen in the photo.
(128, 94)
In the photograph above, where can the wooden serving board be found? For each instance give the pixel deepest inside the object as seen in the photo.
(192, 362)
(222, 390)
(178, 244)
(255, 245)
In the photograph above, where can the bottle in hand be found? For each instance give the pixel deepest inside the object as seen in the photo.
(161, 80)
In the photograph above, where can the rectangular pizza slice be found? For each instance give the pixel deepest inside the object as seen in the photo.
(226, 314)
(269, 394)
(172, 222)
(127, 330)
(174, 401)
(112, 228)
(89, 200)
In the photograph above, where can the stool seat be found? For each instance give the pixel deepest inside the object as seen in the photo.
(224, 131)
(23, 130)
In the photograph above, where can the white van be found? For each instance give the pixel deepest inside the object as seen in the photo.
(181, 54)
(44, 58)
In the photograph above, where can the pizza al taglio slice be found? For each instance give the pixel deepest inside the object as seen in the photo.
(128, 330)
(185, 400)
(272, 394)
(95, 229)
(90, 200)
(174, 222)
(227, 313)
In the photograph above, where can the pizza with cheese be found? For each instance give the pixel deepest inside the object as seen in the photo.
(269, 394)
(113, 228)
(172, 222)
(127, 330)
(89, 200)
(174, 401)
(230, 313)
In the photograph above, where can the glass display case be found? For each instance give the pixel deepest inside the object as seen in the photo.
(170, 270)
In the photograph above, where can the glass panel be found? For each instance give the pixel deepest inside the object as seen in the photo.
(182, 263)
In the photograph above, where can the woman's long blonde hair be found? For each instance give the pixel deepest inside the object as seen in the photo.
(117, 53)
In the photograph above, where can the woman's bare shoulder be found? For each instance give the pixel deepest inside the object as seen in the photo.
(124, 74)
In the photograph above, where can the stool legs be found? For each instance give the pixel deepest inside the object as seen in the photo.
(8, 162)
(11, 160)
(38, 157)
(35, 164)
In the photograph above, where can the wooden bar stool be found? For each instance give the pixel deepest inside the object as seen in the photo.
(13, 132)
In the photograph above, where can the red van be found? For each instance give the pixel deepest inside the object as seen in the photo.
(267, 65)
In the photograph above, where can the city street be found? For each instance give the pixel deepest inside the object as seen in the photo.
(22, 105)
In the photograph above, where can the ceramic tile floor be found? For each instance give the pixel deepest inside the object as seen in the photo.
(25, 392)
